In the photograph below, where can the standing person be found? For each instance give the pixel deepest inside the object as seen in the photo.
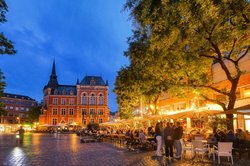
(158, 132)
(168, 139)
(177, 135)
(21, 134)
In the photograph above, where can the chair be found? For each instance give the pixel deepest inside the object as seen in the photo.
(187, 147)
(200, 147)
(224, 149)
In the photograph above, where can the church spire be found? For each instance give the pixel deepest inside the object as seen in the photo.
(53, 78)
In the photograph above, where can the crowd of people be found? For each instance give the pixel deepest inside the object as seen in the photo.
(168, 137)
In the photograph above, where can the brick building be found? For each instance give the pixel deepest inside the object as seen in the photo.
(17, 108)
(80, 104)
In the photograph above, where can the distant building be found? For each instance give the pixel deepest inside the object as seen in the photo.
(17, 108)
(80, 104)
(113, 115)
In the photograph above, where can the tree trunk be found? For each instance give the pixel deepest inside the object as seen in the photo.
(231, 103)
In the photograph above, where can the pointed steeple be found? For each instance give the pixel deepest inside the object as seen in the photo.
(53, 83)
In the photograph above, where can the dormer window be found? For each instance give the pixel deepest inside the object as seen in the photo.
(92, 82)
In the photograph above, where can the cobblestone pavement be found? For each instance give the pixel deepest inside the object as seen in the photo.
(66, 150)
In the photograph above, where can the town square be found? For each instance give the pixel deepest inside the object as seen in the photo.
(128, 82)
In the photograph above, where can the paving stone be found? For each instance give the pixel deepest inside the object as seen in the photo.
(66, 150)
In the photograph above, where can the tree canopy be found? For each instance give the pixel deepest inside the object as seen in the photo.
(188, 37)
(6, 46)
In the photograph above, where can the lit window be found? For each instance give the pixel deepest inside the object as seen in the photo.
(71, 111)
(100, 100)
(54, 122)
(100, 112)
(63, 111)
(71, 101)
(246, 92)
(84, 99)
(71, 121)
(92, 99)
(55, 101)
(54, 111)
(92, 111)
(84, 111)
(92, 121)
(63, 101)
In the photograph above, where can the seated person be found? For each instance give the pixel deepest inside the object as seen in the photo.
(211, 140)
(142, 137)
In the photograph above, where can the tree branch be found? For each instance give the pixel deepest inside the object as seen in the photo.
(232, 49)
(243, 55)
(223, 105)
(215, 89)
(208, 56)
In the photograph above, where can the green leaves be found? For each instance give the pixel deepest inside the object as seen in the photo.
(6, 46)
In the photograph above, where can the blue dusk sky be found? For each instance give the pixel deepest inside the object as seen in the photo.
(86, 37)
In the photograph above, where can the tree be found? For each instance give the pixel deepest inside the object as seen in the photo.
(6, 46)
(33, 115)
(192, 35)
(3, 112)
(139, 81)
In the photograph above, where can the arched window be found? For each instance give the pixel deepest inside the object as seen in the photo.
(101, 99)
(84, 99)
(92, 99)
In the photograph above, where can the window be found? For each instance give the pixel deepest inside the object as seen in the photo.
(17, 108)
(84, 111)
(71, 121)
(27, 109)
(100, 120)
(100, 112)
(54, 122)
(100, 100)
(71, 101)
(84, 99)
(63, 111)
(92, 111)
(246, 92)
(54, 111)
(55, 101)
(71, 111)
(11, 107)
(22, 108)
(92, 121)
(63, 101)
(84, 121)
(92, 99)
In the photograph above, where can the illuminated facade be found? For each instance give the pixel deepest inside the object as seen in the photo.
(170, 105)
(17, 108)
(80, 104)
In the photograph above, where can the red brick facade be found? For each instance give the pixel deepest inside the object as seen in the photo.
(80, 104)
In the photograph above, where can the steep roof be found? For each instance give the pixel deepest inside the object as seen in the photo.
(93, 81)
(16, 96)
(64, 90)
